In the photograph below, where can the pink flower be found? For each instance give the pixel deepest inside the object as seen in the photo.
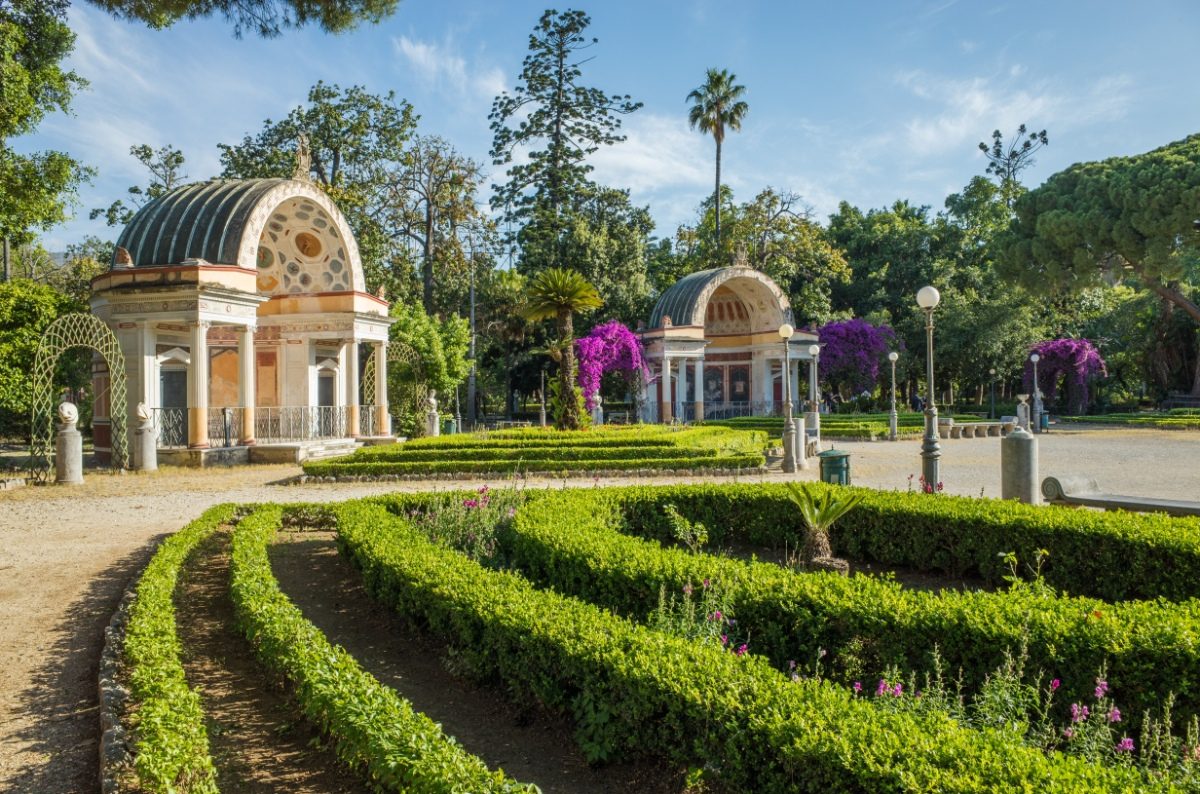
(883, 687)
(724, 639)
(1068, 733)
(1101, 688)
(742, 649)
(706, 584)
(716, 615)
(857, 687)
(687, 589)
(897, 690)
(1125, 745)
(1055, 684)
(512, 511)
(1078, 713)
(470, 503)
(1114, 715)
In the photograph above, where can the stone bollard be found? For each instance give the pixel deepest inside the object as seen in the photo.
(801, 443)
(68, 449)
(1019, 467)
(145, 448)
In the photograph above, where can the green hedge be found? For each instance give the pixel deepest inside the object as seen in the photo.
(1113, 556)
(632, 690)
(1175, 419)
(170, 739)
(723, 463)
(569, 541)
(647, 447)
(374, 729)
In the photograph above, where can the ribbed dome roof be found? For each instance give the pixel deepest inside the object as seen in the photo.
(685, 302)
(204, 220)
(680, 300)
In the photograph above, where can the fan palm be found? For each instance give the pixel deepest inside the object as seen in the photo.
(717, 105)
(557, 293)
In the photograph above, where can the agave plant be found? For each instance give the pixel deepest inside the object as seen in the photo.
(820, 511)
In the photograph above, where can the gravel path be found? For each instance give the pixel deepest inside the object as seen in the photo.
(66, 555)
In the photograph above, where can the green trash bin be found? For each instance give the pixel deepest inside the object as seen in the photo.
(449, 427)
(835, 466)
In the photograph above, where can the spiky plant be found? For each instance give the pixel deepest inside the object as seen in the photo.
(820, 511)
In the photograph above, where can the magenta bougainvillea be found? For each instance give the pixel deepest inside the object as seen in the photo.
(1074, 361)
(852, 352)
(610, 347)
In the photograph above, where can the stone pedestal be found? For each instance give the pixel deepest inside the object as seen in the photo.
(597, 410)
(1019, 467)
(145, 448)
(1022, 411)
(68, 448)
(433, 424)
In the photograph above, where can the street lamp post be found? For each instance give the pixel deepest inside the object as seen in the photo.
(542, 397)
(789, 426)
(992, 389)
(893, 417)
(1037, 395)
(814, 399)
(931, 453)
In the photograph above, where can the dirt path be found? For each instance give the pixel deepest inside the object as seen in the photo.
(259, 740)
(531, 748)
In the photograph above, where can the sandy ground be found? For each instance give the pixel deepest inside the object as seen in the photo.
(66, 555)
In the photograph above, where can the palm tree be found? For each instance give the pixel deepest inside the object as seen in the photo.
(558, 293)
(716, 105)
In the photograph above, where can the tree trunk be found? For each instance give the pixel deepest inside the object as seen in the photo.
(566, 373)
(427, 265)
(717, 199)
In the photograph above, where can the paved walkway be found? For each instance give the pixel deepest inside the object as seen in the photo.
(66, 555)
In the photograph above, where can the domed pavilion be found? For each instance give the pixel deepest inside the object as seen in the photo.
(713, 342)
(241, 310)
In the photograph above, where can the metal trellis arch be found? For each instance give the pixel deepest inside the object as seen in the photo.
(415, 388)
(68, 332)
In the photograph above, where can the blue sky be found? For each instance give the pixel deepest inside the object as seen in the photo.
(859, 101)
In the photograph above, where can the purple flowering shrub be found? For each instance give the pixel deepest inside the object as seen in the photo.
(1072, 361)
(852, 351)
(610, 347)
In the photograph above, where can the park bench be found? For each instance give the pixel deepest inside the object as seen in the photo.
(1081, 491)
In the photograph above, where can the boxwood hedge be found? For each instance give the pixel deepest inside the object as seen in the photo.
(571, 541)
(633, 690)
(374, 729)
(169, 737)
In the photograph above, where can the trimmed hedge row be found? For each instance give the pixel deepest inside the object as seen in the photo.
(333, 468)
(537, 451)
(170, 739)
(632, 690)
(1164, 421)
(375, 730)
(1113, 556)
(570, 541)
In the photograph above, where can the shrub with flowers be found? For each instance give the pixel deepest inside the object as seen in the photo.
(610, 347)
(1072, 361)
(470, 524)
(698, 613)
(852, 352)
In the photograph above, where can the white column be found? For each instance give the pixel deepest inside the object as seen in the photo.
(348, 361)
(699, 396)
(247, 394)
(664, 414)
(383, 422)
(198, 388)
(681, 389)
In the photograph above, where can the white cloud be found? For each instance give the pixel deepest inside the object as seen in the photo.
(441, 66)
(659, 153)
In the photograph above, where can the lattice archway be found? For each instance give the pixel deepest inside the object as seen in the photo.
(66, 333)
(404, 359)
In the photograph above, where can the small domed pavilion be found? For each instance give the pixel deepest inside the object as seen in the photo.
(240, 307)
(713, 342)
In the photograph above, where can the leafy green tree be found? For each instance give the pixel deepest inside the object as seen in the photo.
(267, 18)
(36, 188)
(506, 334)
(558, 293)
(433, 196)
(165, 165)
(716, 106)
(555, 120)
(1122, 220)
(26, 308)
(441, 342)
(357, 141)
